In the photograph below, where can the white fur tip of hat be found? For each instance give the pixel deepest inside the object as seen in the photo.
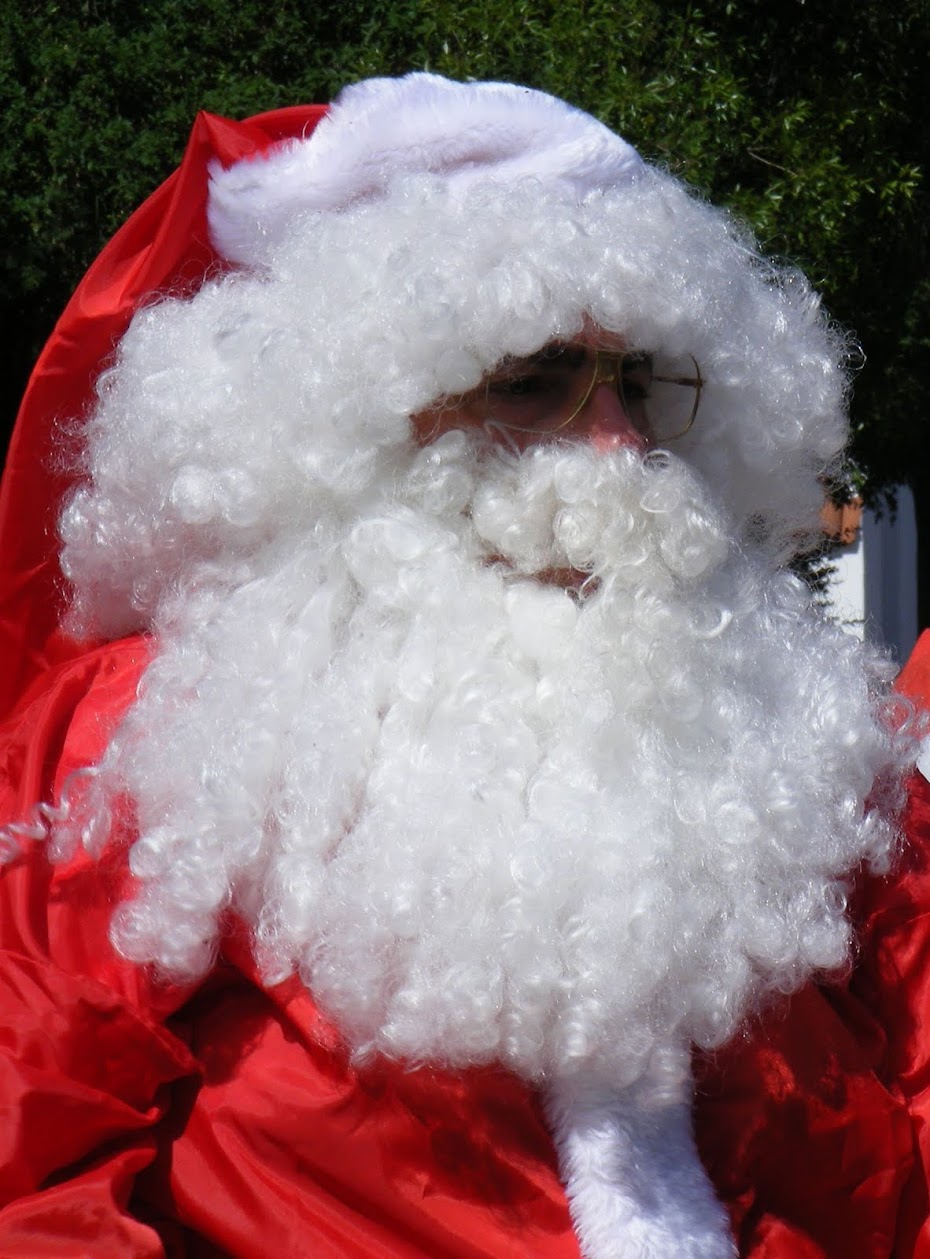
(382, 128)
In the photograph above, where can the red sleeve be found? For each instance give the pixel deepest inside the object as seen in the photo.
(288, 1150)
(85, 1062)
(815, 1124)
(804, 1140)
(894, 976)
(144, 1120)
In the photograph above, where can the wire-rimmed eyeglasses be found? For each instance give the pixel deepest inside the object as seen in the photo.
(545, 392)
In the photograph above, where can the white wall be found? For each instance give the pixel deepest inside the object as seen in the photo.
(874, 590)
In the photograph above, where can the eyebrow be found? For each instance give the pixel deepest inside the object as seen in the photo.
(554, 348)
(548, 352)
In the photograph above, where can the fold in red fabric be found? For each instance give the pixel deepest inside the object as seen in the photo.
(148, 1120)
(225, 1120)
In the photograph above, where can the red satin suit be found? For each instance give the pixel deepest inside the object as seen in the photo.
(140, 1120)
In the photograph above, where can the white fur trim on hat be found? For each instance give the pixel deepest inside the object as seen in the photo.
(382, 128)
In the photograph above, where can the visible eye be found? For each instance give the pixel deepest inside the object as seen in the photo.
(525, 385)
(536, 393)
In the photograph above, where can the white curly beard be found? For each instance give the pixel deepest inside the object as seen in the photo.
(489, 819)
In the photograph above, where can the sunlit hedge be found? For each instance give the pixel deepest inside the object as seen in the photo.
(809, 120)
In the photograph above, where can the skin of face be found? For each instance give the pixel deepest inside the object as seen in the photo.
(602, 420)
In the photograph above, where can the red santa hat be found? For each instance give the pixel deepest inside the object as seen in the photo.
(383, 128)
(165, 244)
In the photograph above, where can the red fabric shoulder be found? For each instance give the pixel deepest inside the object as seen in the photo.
(163, 246)
(815, 1125)
(60, 912)
(914, 679)
(223, 1119)
(85, 1060)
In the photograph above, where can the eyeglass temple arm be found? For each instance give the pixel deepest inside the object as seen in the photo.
(697, 382)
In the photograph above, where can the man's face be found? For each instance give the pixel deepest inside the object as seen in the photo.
(565, 390)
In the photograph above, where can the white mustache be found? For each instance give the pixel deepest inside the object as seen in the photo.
(555, 506)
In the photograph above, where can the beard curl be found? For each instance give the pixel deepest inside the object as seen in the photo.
(611, 515)
(488, 819)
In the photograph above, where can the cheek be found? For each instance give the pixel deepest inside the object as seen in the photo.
(427, 426)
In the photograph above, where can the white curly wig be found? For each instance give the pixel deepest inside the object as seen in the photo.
(277, 391)
(484, 817)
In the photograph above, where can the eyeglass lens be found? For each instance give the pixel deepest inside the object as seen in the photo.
(544, 392)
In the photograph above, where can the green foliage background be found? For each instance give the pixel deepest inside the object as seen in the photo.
(809, 118)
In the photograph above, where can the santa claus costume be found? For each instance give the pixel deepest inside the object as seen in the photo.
(368, 889)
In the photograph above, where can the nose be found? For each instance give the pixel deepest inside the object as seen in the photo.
(605, 423)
